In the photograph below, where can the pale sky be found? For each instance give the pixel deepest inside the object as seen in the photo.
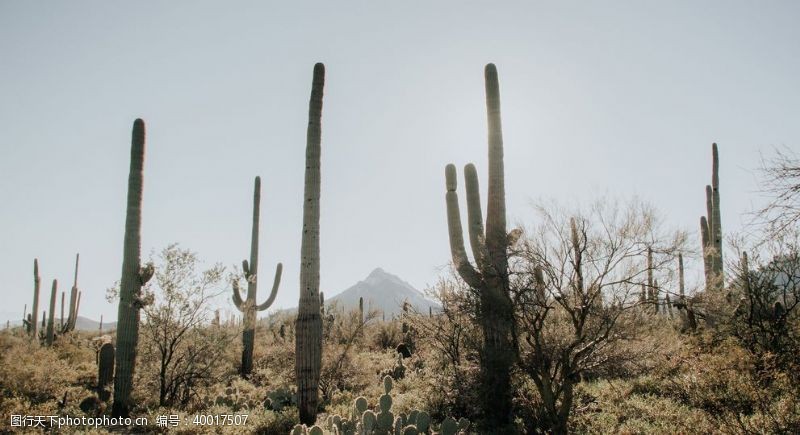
(619, 98)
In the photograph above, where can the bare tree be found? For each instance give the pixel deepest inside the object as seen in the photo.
(766, 294)
(780, 182)
(578, 278)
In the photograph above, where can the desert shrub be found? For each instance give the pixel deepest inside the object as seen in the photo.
(386, 335)
(37, 373)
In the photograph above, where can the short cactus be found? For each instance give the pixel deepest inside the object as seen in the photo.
(105, 365)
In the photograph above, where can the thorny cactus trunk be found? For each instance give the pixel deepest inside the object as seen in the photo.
(105, 365)
(248, 306)
(74, 304)
(490, 276)
(308, 338)
(34, 320)
(51, 320)
(711, 229)
(134, 276)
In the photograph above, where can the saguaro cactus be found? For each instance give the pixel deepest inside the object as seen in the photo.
(74, 304)
(248, 305)
(51, 320)
(490, 275)
(33, 322)
(134, 276)
(105, 365)
(711, 229)
(308, 326)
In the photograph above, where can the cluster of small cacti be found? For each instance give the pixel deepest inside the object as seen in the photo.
(232, 398)
(280, 398)
(50, 330)
(364, 421)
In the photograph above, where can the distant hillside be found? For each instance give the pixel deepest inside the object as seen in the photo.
(384, 292)
(82, 324)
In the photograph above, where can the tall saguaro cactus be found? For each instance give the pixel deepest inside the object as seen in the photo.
(33, 322)
(248, 305)
(51, 321)
(134, 276)
(74, 303)
(490, 274)
(308, 326)
(711, 229)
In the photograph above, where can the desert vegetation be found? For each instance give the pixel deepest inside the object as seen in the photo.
(581, 320)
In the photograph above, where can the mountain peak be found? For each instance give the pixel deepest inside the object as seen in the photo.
(385, 292)
(377, 273)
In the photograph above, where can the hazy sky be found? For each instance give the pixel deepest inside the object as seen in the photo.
(619, 97)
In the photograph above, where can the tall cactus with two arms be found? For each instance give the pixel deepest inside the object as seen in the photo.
(490, 274)
(711, 229)
(68, 324)
(134, 276)
(308, 326)
(248, 305)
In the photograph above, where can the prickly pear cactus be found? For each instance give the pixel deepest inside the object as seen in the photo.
(368, 422)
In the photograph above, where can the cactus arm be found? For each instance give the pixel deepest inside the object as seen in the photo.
(237, 296)
(73, 303)
(709, 210)
(475, 221)
(274, 293)
(704, 239)
(77, 308)
(77, 259)
(496, 234)
(459, 254)
(61, 321)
